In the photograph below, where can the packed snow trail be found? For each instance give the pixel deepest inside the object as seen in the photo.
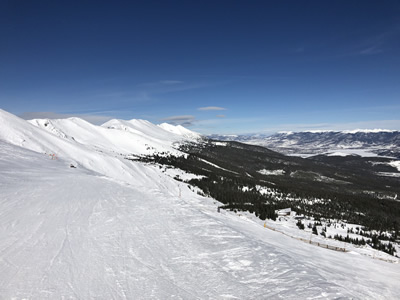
(70, 233)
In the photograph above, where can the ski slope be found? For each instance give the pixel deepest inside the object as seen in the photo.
(91, 233)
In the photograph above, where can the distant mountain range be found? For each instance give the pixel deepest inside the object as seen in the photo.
(341, 143)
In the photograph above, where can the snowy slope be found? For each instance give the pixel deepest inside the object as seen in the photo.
(395, 164)
(68, 233)
(144, 128)
(128, 137)
(117, 229)
(98, 150)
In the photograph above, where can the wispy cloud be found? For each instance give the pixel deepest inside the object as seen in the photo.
(354, 43)
(211, 108)
(375, 44)
(171, 82)
(371, 46)
(160, 83)
(375, 49)
(94, 119)
(184, 120)
(220, 116)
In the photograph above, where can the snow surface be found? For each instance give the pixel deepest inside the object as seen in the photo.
(341, 152)
(222, 144)
(348, 152)
(130, 137)
(117, 229)
(271, 172)
(180, 130)
(338, 154)
(216, 166)
(389, 174)
(395, 164)
(180, 174)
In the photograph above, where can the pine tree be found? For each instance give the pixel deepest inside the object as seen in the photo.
(314, 229)
(300, 225)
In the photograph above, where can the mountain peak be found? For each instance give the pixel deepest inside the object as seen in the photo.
(180, 130)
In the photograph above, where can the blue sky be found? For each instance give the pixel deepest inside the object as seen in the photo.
(214, 66)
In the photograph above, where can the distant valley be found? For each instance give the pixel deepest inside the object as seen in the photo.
(339, 143)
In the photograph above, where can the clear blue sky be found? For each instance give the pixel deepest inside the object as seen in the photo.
(215, 66)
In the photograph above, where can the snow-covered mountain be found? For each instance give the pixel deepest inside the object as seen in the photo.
(138, 137)
(80, 221)
(102, 149)
(363, 142)
(180, 130)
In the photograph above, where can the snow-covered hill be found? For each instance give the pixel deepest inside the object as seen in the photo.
(359, 142)
(180, 130)
(112, 228)
(138, 137)
(96, 148)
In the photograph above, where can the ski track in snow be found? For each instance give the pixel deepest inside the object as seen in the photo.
(66, 233)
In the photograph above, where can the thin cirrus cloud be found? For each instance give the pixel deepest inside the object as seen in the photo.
(184, 120)
(378, 43)
(211, 108)
(371, 50)
(171, 82)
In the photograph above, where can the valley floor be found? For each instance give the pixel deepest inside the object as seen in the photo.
(70, 233)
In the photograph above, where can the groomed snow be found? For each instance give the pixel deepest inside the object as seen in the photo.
(68, 233)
